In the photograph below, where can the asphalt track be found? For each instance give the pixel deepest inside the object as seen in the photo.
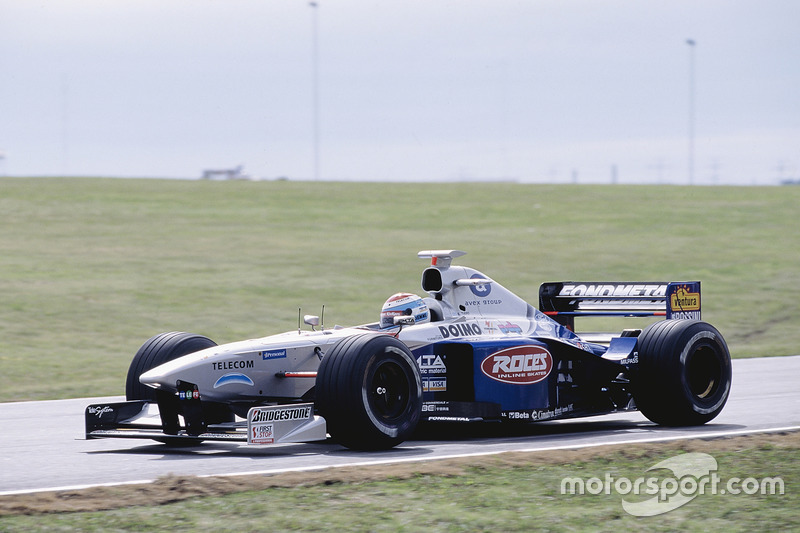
(43, 447)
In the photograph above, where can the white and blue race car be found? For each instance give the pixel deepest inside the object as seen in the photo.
(469, 351)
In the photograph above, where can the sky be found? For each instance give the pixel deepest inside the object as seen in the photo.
(557, 91)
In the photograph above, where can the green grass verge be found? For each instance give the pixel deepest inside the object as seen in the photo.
(508, 492)
(90, 268)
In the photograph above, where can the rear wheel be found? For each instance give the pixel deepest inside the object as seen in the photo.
(684, 373)
(369, 391)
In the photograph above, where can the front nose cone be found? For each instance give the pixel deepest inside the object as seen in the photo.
(152, 378)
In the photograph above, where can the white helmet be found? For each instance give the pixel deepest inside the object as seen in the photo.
(404, 303)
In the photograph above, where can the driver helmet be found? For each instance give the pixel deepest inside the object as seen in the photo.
(404, 303)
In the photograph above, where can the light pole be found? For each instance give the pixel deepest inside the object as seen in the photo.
(691, 44)
(315, 86)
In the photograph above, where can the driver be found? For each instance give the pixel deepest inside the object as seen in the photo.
(404, 303)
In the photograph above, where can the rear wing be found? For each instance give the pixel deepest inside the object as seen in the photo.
(565, 300)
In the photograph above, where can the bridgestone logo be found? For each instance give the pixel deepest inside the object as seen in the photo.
(277, 415)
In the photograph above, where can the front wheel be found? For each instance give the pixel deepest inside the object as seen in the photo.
(684, 374)
(369, 391)
(161, 349)
(158, 350)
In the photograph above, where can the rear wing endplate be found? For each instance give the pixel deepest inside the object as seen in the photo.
(565, 300)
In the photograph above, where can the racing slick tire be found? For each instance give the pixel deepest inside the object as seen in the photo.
(369, 391)
(684, 373)
(156, 351)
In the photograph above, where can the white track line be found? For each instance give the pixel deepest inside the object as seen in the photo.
(710, 435)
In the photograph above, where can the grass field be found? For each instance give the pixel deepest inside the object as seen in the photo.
(90, 268)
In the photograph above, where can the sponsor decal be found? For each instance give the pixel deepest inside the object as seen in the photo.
(546, 414)
(520, 365)
(583, 346)
(434, 384)
(401, 298)
(286, 413)
(262, 434)
(436, 407)
(233, 378)
(482, 302)
(616, 290)
(431, 364)
(691, 315)
(483, 290)
(189, 394)
(267, 424)
(100, 411)
(539, 414)
(632, 360)
(387, 318)
(464, 329)
(226, 436)
(273, 354)
(683, 300)
(508, 327)
(234, 364)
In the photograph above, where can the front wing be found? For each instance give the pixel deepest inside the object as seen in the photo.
(274, 424)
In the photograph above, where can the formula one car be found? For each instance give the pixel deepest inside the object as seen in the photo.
(469, 351)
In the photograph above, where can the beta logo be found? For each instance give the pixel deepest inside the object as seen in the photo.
(520, 365)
